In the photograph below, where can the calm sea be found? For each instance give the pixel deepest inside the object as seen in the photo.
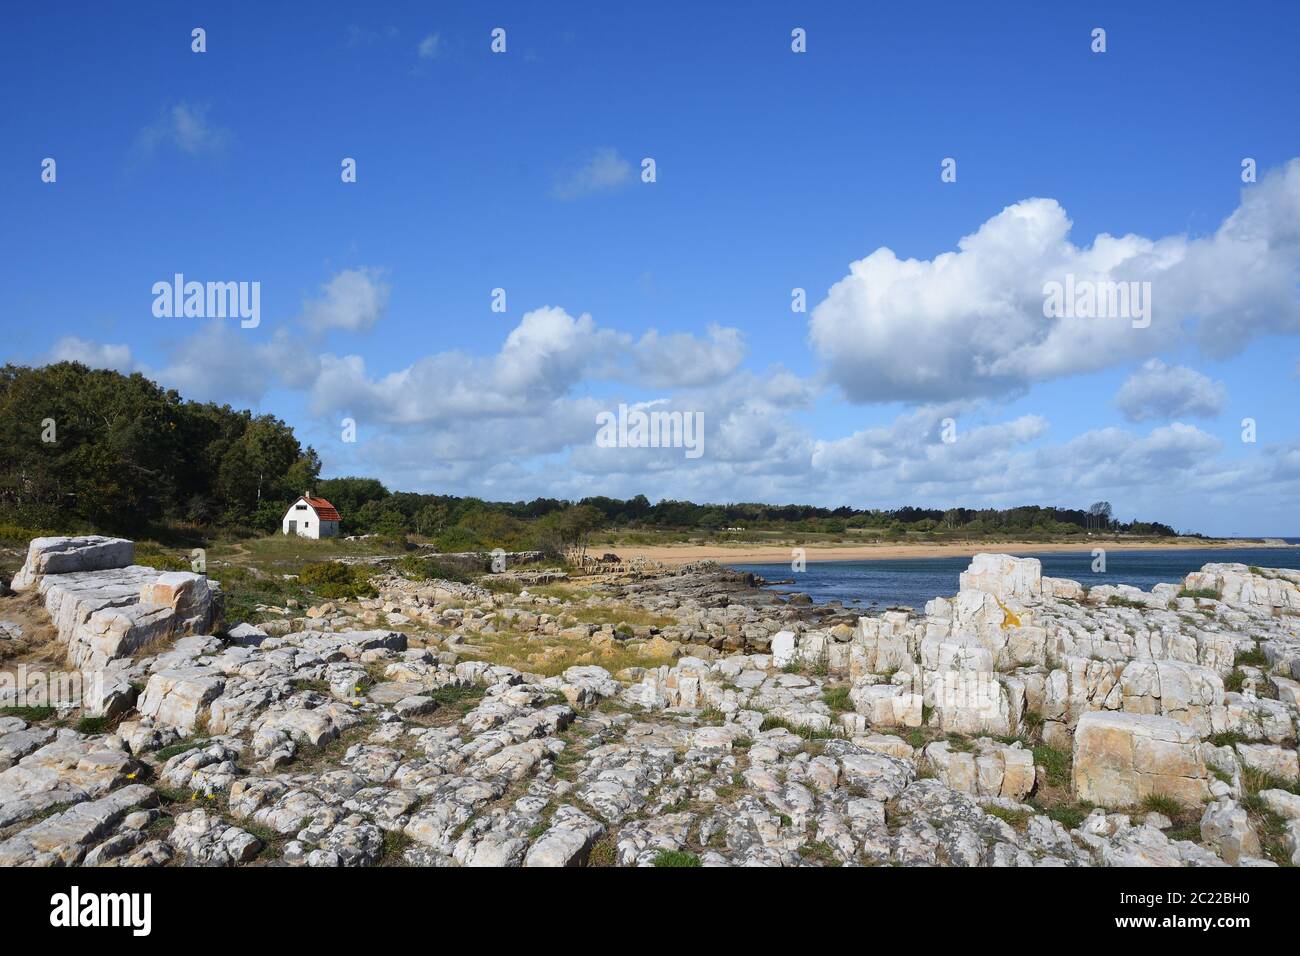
(914, 581)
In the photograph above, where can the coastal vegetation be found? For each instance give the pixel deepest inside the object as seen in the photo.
(91, 450)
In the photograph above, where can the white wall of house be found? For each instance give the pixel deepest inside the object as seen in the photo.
(301, 519)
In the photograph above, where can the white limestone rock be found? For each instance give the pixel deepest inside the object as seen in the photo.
(1122, 758)
(177, 698)
(62, 555)
(1004, 577)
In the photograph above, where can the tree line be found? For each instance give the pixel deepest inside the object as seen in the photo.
(463, 524)
(80, 446)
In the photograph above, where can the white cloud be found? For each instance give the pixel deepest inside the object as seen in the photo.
(183, 126)
(1116, 458)
(430, 47)
(354, 299)
(542, 358)
(606, 170)
(682, 360)
(912, 448)
(222, 362)
(70, 348)
(1164, 392)
(971, 323)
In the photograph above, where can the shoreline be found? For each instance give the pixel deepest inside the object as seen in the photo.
(776, 554)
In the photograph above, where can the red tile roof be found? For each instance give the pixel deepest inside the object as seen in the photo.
(324, 510)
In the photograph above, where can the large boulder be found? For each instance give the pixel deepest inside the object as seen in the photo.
(186, 594)
(177, 698)
(91, 552)
(1188, 693)
(1004, 577)
(1122, 758)
(991, 770)
(1226, 827)
(887, 705)
(116, 632)
(881, 645)
(975, 702)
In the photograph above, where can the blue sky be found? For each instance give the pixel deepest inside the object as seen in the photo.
(775, 170)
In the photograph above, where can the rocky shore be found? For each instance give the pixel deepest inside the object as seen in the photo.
(651, 716)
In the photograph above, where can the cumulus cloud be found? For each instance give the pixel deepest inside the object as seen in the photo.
(1117, 458)
(184, 126)
(70, 348)
(682, 360)
(912, 448)
(542, 358)
(222, 362)
(354, 299)
(603, 172)
(1164, 392)
(971, 322)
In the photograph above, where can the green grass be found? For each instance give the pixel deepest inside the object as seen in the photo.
(604, 853)
(1117, 601)
(1057, 763)
(92, 725)
(153, 555)
(1199, 593)
(319, 686)
(180, 747)
(837, 699)
(1069, 815)
(395, 844)
(1157, 803)
(1234, 682)
(676, 858)
(29, 714)
(1017, 819)
(245, 588)
(561, 592)
(1227, 739)
(618, 614)
(466, 698)
(807, 733)
(820, 852)
(1252, 658)
(1270, 827)
(286, 553)
(1253, 780)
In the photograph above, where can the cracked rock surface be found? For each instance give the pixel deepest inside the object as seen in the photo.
(1022, 722)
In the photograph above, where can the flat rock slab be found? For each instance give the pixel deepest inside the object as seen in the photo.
(64, 555)
(19, 743)
(391, 692)
(64, 838)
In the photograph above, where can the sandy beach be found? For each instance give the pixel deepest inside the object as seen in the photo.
(772, 554)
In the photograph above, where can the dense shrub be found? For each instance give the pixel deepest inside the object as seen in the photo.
(333, 579)
(434, 569)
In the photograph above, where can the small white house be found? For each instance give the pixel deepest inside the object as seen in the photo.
(310, 517)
